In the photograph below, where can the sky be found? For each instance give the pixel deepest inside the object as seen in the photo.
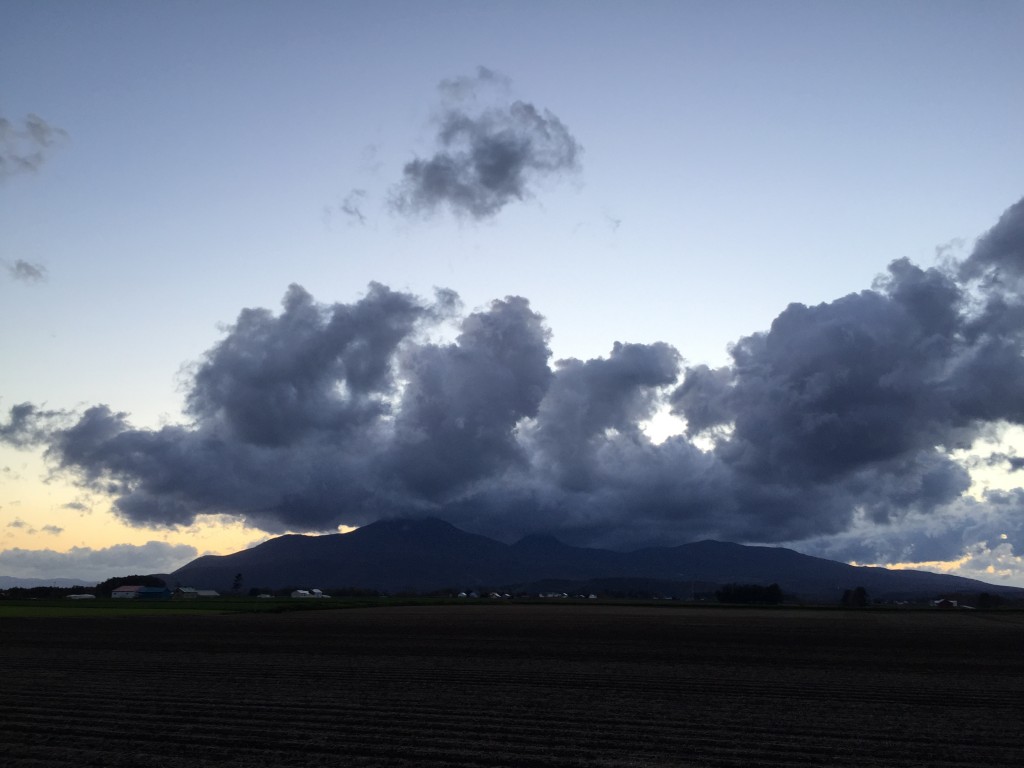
(628, 274)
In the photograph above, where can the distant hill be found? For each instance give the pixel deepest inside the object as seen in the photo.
(7, 582)
(421, 555)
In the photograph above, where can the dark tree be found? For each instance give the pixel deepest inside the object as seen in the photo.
(986, 600)
(855, 598)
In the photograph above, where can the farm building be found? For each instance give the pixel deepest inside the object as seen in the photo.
(191, 593)
(308, 593)
(126, 591)
(137, 592)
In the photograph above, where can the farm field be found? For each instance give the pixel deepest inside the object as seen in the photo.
(515, 685)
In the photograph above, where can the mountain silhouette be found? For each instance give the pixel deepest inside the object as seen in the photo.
(425, 555)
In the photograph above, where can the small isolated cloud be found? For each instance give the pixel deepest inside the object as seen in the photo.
(90, 564)
(486, 156)
(19, 524)
(24, 147)
(76, 505)
(351, 206)
(26, 272)
(53, 530)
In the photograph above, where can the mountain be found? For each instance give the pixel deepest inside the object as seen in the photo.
(421, 555)
(7, 582)
(389, 555)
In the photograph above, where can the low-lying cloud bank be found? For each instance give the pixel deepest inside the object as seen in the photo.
(96, 565)
(836, 427)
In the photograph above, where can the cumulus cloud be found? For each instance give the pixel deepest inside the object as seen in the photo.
(487, 155)
(96, 564)
(839, 426)
(26, 272)
(25, 146)
(999, 253)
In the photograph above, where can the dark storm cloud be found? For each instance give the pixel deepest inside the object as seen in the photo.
(1001, 248)
(486, 157)
(848, 408)
(290, 412)
(310, 369)
(591, 402)
(837, 421)
(462, 401)
(843, 405)
(26, 272)
(25, 147)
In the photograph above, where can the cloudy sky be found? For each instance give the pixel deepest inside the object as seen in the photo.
(627, 274)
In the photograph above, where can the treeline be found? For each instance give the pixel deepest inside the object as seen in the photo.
(103, 589)
(44, 593)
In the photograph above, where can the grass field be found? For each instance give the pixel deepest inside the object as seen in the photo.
(121, 607)
(514, 685)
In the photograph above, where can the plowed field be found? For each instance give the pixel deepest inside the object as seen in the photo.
(512, 685)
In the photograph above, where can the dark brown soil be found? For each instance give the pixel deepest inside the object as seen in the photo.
(508, 685)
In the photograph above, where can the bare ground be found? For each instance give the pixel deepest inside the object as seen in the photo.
(510, 685)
